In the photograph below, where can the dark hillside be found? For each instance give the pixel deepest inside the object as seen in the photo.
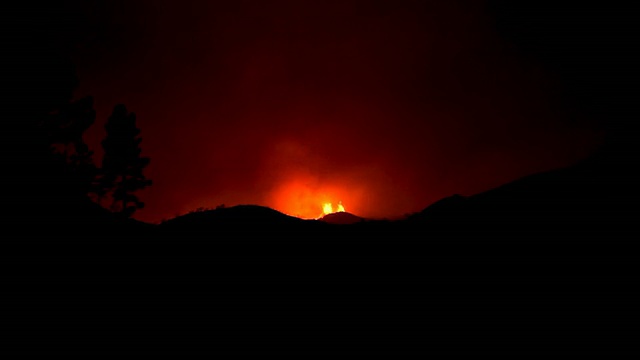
(531, 262)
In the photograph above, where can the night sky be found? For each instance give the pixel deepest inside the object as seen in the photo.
(385, 106)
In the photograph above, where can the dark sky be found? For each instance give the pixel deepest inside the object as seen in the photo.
(386, 106)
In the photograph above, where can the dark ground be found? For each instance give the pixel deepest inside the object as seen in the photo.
(547, 260)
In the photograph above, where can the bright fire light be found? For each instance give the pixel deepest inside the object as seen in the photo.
(327, 208)
(297, 198)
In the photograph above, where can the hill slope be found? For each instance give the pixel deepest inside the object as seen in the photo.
(341, 218)
(592, 195)
(250, 215)
(544, 260)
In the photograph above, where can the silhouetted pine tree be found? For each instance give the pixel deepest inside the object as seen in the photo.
(122, 165)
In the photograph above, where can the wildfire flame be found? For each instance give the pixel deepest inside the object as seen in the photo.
(327, 208)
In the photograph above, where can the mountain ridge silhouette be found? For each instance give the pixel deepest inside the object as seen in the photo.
(548, 258)
(342, 218)
(540, 197)
(237, 214)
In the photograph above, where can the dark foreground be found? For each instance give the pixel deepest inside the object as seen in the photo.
(553, 270)
(335, 286)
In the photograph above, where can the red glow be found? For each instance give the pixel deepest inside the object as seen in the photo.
(303, 201)
(385, 106)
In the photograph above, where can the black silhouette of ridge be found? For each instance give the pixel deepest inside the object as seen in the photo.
(532, 261)
(592, 193)
(246, 214)
(341, 218)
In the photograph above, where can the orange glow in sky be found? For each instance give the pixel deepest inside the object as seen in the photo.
(303, 201)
